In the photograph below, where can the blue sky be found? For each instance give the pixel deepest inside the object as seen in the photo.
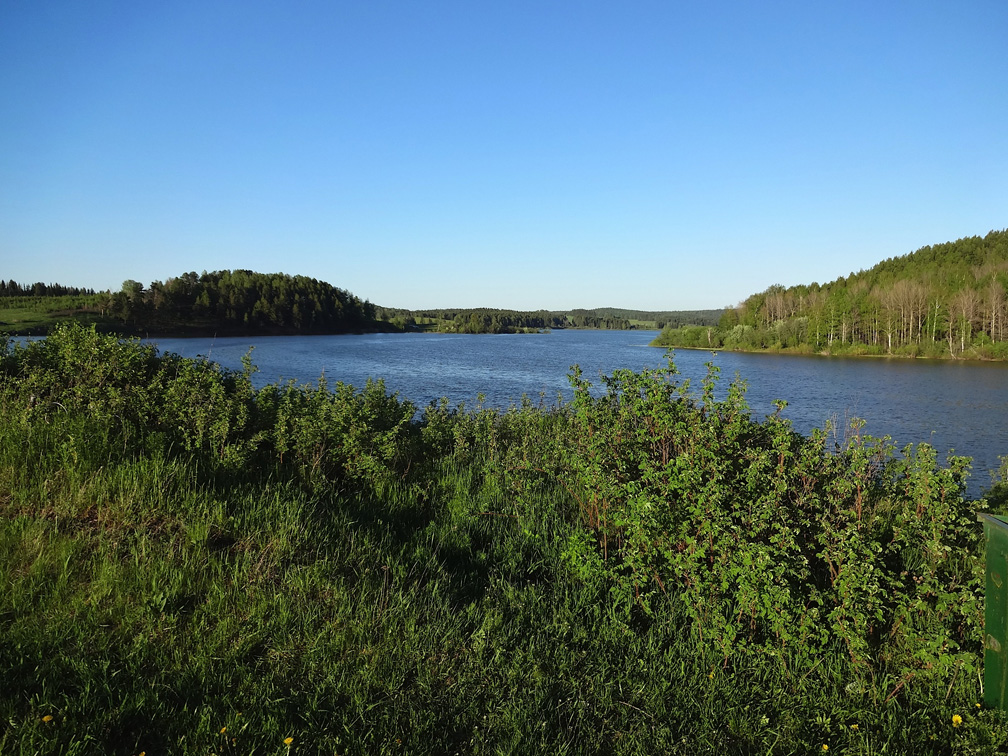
(653, 155)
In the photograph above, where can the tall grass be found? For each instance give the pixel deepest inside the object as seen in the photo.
(194, 566)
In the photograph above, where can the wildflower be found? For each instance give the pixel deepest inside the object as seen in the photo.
(710, 676)
(978, 705)
(288, 741)
(825, 748)
(854, 727)
(223, 729)
(47, 718)
(956, 720)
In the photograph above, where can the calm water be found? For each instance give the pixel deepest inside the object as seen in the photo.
(952, 405)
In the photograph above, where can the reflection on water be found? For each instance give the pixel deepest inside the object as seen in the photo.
(953, 405)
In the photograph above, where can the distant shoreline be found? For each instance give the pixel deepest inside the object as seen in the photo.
(830, 355)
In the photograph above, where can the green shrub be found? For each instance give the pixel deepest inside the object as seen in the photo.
(343, 435)
(770, 545)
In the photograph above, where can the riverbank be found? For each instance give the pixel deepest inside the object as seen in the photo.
(978, 354)
(799, 352)
(199, 565)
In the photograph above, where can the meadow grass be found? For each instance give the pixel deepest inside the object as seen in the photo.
(40, 314)
(437, 590)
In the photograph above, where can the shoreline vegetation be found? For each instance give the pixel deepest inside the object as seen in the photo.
(945, 301)
(798, 352)
(197, 565)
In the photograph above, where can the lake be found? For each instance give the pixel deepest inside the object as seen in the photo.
(954, 405)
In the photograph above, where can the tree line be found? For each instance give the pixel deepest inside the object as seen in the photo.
(12, 288)
(661, 318)
(472, 320)
(245, 301)
(241, 300)
(943, 300)
(489, 320)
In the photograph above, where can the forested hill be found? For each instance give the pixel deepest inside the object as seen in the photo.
(242, 301)
(945, 300)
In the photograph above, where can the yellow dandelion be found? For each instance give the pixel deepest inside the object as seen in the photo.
(956, 720)
(825, 748)
(288, 741)
(710, 676)
(854, 727)
(47, 718)
(978, 705)
(223, 729)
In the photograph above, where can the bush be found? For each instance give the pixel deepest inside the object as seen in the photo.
(770, 545)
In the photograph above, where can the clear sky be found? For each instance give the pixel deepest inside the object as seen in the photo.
(652, 155)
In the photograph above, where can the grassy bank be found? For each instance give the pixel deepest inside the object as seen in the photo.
(197, 566)
(30, 315)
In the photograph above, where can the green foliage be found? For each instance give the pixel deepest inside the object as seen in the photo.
(193, 565)
(342, 434)
(209, 410)
(77, 370)
(996, 497)
(767, 543)
(241, 301)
